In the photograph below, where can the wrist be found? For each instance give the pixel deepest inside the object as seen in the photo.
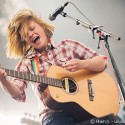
(4, 80)
(84, 64)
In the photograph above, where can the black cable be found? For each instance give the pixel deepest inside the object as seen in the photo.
(82, 13)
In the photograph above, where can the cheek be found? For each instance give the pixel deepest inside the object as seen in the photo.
(43, 34)
(28, 42)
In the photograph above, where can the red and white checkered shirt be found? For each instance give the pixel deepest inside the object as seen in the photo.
(58, 54)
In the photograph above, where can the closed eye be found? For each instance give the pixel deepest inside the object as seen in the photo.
(32, 28)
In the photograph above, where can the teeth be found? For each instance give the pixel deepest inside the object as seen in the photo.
(35, 39)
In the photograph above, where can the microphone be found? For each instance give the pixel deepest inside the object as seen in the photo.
(57, 11)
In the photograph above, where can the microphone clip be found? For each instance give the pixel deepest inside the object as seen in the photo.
(93, 28)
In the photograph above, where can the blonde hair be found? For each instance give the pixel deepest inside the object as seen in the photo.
(16, 46)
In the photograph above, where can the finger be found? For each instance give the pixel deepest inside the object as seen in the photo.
(71, 67)
(2, 71)
(70, 64)
(73, 70)
(4, 74)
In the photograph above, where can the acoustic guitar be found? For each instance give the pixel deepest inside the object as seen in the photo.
(85, 94)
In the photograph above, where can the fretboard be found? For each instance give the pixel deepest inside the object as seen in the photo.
(34, 78)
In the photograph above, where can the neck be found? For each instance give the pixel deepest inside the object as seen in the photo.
(46, 49)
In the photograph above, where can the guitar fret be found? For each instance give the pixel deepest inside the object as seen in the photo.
(54, 82)
(20, 74)
(49, 81)
(59, 83)
(40, 79)
(29, 76)
(35, 78)
(46, 80)
(9, 72)
(26, 76)
(43, 79)
(14, 73)
(32, 78)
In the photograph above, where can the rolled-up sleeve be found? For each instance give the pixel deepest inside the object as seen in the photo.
(22, 84)
(81, 51)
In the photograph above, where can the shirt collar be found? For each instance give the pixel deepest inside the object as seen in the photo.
(37, 54)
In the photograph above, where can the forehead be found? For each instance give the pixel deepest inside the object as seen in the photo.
(26, 27)
(32, 23)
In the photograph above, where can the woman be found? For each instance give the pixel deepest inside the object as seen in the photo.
(29, 38)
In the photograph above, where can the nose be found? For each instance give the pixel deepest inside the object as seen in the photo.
(30, 34)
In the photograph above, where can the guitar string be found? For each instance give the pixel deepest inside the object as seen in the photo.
(71, 86)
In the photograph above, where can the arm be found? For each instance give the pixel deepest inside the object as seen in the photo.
(97, 63)
(84, 58)
(8, 86)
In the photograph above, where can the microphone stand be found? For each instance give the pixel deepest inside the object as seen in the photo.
(103, 35)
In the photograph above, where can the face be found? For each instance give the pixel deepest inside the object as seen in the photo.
(36, 36)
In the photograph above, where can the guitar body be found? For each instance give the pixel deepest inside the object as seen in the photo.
(85, 94)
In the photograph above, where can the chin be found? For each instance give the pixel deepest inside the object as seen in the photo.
(41, 48)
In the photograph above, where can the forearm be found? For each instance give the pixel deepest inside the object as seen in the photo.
(10, 88)
(95, 64)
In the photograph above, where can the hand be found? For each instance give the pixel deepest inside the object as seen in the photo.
(73, 65)
(3, 74)
(41, 87)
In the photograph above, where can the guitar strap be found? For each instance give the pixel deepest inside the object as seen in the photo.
(34, 63)
(35, 60)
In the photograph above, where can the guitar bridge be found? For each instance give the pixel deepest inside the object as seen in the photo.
(91, 90)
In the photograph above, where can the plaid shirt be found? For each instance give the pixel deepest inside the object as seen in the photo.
(58, 54)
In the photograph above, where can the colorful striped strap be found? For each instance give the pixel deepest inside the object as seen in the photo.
(34, 63)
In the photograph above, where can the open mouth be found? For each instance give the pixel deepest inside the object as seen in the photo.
(36, 39)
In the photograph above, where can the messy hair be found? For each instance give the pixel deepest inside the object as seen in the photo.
(16, 46)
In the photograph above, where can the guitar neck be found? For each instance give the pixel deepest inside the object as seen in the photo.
(34, 78)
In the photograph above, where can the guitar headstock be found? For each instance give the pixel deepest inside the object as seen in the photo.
(29, 119)
(122, 102)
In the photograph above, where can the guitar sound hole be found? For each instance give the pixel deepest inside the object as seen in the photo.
(69, 85)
